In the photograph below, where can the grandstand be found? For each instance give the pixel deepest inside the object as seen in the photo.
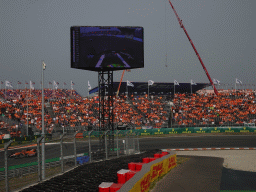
(141, 88)
(67, 109)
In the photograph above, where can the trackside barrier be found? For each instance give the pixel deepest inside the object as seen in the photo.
(171, 131)
(31, 165)
(144, 132)
(140, 175)
(149, 173)
(24, 139)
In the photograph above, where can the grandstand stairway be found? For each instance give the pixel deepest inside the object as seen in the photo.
(50, 109)
(137, 110)
(94, 109)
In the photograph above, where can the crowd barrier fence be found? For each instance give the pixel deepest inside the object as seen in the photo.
(170, 131)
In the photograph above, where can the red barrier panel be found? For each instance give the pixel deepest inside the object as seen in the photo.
(165, 153)
(115, 187)
(132, 166)
(130, 174)
(105, 187)
(139, 166)
(161, 155)
(121, 176)
(157, 155)
(145, 160)
(152, 159)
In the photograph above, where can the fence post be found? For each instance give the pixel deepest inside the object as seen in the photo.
(106, 144)
(117, 143)
(90, 147)
(61, 152)
(133, 139)
(138, 142)
(39, 157)
(6, 145)
(75, 147)
(127, 144)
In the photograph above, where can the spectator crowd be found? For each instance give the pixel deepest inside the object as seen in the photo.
(66, 108)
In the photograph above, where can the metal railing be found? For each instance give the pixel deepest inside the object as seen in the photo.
(70, 149)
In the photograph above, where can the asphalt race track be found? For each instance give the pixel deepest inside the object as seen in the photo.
(53, 150)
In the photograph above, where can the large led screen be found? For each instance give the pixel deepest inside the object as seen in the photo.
(101, 48)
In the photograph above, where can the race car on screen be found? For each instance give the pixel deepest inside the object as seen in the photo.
(24, 153)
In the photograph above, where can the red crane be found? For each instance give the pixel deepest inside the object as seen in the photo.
(182, 26)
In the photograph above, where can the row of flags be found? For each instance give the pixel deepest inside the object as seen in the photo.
(55, 84)
(150, 82)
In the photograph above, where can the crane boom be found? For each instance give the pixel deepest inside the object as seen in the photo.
(182, 26)
(120, 83)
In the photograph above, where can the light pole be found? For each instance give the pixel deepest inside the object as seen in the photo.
(43, 131)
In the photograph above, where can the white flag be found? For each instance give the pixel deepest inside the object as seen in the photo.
(129, 84)
(238, 81)
(150, 82)
(31, 85)
(55, 85)
(215, 81)
(8, 84)
(176, 82)
(44, 66)
(89, 86)
(192, 82)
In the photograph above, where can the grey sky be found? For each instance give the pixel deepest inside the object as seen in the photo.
(223, 32)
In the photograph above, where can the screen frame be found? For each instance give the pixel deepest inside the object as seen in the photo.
(74, 51)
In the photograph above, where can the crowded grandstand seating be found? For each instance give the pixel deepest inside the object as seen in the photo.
(125, 114)
(152, 108)
(66, 108)
(208, 110)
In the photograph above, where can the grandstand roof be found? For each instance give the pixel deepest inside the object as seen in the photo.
(141, 88)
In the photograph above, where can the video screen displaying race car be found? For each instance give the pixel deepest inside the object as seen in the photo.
(107, 48)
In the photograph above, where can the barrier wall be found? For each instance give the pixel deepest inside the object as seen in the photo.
(170, 131)
(140, 182)
(46, 161)
(26, 139)
(144, 132)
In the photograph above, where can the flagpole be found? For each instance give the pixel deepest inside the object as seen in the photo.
(43, 128)
(174, 91)
(27, 112)
(235, 86)
(148, 91)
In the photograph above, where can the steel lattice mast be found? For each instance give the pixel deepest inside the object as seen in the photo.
(182, 26)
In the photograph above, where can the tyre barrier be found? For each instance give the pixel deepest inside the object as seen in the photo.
(89, 176)
(82, 160)
(140, 175)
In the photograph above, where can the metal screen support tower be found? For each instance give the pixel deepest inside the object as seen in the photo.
(106, 115)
